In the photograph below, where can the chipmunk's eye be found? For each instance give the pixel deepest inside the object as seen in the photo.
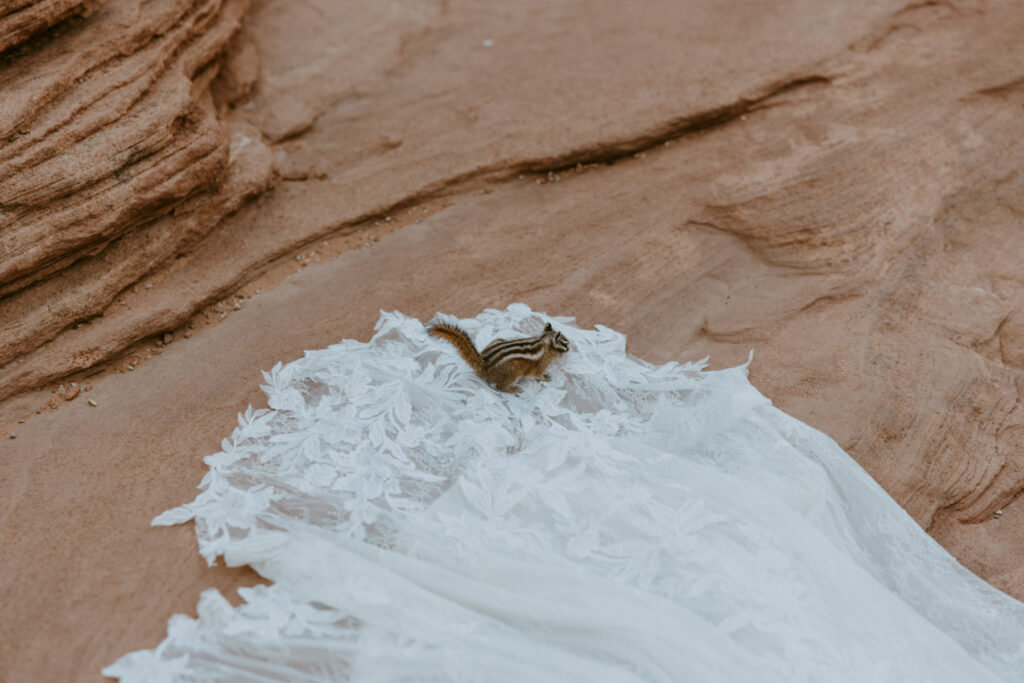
(547, 328)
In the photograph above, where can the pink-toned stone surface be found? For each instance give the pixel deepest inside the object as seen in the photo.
(841, 192)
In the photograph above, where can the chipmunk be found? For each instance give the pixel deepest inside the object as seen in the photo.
(503, 362)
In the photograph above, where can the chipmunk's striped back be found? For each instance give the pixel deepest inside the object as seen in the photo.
(531, 348)
(503, 362)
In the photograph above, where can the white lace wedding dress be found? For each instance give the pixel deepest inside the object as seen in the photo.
(622, 522)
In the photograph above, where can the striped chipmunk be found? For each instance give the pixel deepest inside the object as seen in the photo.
(503, 362)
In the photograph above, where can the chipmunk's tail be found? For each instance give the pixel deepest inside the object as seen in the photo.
(463, 344)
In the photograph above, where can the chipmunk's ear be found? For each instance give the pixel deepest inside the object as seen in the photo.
(547, 328)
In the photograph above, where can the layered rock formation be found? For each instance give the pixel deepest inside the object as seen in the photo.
(835, 185)
(120, 142)
(20, 20)
(115, 161)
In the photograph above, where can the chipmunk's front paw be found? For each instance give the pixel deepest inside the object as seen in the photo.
(545, 377)
(511, 389)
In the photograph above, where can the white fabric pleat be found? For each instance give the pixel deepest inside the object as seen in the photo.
(622, 522)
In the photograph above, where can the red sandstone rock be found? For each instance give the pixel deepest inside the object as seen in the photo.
(841, 193)
(371, 108)
(21, 20)
(109, 128)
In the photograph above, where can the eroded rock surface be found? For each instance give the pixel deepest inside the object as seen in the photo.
(834, 185)
(367, 107)
(114, 161)
(21, 20)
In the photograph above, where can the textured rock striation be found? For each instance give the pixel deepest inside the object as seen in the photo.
(114, 161)
(21, 20)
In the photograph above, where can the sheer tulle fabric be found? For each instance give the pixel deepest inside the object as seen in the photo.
(623, 522)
